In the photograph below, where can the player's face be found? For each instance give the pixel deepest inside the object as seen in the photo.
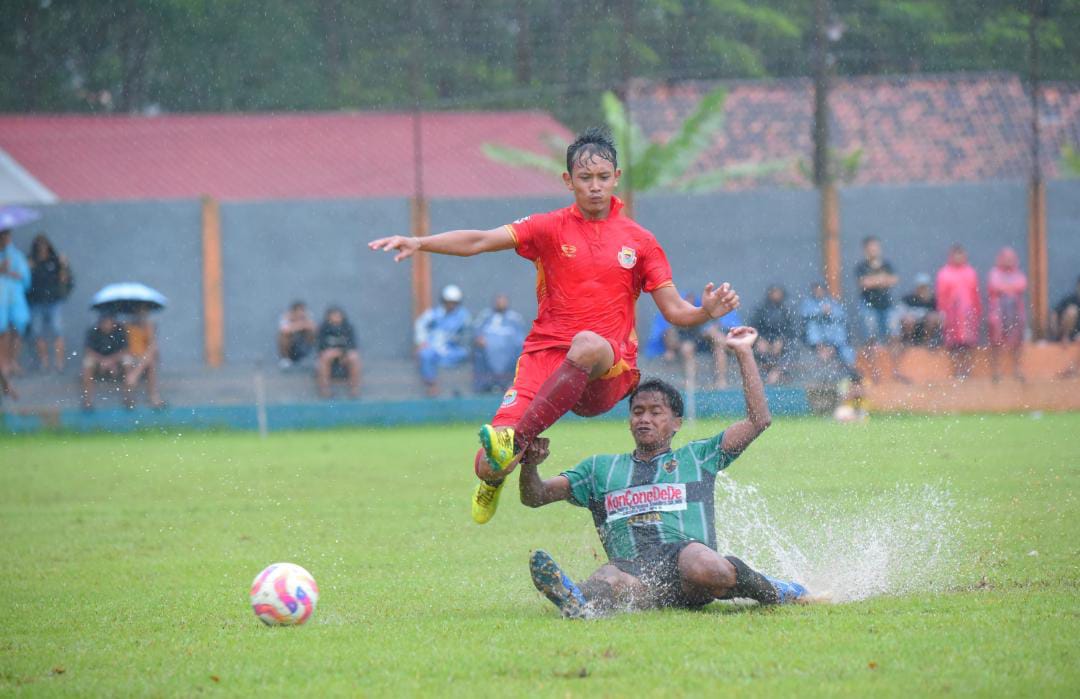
(652, 421)
(592, 181)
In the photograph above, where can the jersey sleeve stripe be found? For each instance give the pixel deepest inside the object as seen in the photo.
(661, 285)
(513, 234)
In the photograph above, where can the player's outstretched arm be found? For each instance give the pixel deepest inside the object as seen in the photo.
(716, 301)
(536, 491)
(463, 243)
(737, 437)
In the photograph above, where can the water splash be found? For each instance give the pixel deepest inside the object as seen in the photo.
(904, 540)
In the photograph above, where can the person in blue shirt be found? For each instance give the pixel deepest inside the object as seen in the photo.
(441, 335)
(685, 343)
(825, 326)
(14, 311)
(498, 337)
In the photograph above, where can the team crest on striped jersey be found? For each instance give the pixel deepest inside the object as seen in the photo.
(628, 257)
(671, 464)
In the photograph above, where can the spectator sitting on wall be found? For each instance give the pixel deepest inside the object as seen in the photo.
(1065, 320)
(499, 334)
(961, 309)
(920, 322)
(14, 312)
(142, 350)
(50, 283)
(296, 334)
(338, 354)
(1006, 316)
(778, 333)
(825, 327)
(441, 337)
(880, 320)
(105, 357)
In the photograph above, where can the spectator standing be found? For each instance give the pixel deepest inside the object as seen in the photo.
(825, 327)
(441, 337)
(961, 309)
(105, 357)
(338, 352)
(1006, 316)
(143, 357)
(14, 311)
(51, 282)
(876, 279)
(296, 334)
(920, 322)
(1066, 317)
(778, 332)
(498, 336)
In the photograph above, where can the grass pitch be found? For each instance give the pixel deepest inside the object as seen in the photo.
(129, 560)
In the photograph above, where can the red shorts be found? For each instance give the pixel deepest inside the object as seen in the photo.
(533, 369)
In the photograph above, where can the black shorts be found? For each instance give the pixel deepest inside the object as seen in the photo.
(658, 568)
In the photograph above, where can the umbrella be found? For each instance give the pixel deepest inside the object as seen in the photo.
(128, 297)
(11, 216)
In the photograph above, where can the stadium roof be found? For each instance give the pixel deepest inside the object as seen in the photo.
(274, 156)
(920, 128)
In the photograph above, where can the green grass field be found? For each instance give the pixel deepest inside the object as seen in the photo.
(129, 560)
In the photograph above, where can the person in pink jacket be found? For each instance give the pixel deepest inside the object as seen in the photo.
(961, 307)
(1005, 317)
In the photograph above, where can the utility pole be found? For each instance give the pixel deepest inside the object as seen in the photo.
(823, 176)
(418, 205)
(1038, 276)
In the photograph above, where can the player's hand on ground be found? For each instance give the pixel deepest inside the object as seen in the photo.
(718, 301)
(536, 452)
(404, 245)
(741, 337)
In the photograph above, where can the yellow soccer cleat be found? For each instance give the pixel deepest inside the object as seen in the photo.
(485, 501)
(498, 443)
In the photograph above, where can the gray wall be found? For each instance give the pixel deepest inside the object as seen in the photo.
(277, 251)
(316, 250)
(158, 243)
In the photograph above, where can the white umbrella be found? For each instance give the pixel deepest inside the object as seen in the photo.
(128, 297)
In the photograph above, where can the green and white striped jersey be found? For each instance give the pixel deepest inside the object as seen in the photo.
(636, 504)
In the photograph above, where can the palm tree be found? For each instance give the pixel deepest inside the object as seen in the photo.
(650, 164)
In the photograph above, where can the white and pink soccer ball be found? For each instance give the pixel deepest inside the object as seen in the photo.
(284, 594)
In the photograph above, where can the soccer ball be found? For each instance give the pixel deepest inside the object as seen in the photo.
(284, 594)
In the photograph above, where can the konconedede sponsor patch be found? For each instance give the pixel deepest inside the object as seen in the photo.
(658, 497)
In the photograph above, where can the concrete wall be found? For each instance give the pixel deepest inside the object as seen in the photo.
(316, 250)
(158, 243)
(277, 251)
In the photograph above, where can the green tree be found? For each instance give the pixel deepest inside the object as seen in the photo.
(648, 165)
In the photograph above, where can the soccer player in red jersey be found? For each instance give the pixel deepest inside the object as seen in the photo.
(592, 263)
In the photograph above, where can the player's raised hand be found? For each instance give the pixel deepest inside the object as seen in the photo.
(537, 451)
(741, 337)
(405, 246)
(718, 301)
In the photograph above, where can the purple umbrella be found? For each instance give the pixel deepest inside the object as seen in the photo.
(11, 216)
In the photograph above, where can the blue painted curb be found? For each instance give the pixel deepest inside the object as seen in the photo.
(306, 416)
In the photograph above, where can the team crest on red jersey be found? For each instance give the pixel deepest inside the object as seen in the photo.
(628, 257)
(569, 250)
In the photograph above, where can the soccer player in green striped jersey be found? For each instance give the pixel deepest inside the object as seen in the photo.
(653, 508)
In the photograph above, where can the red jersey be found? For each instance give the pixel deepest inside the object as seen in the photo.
(589, 275)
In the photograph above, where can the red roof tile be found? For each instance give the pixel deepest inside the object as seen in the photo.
(272, 156)
(932, 128)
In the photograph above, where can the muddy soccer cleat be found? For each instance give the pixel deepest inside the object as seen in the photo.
(498, 444)
(485, 500)
(788, 592)
(556, 586)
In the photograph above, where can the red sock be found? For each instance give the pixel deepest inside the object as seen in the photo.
(555, 398)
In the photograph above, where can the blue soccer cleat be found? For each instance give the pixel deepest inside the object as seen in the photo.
(556, 586)
(788, 591)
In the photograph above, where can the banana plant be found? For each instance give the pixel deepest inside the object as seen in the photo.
(647, 164)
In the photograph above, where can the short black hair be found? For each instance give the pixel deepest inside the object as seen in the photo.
(595, 140)
(870, 239)
(674, 398)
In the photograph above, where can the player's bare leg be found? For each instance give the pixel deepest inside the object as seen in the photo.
(705, 573)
